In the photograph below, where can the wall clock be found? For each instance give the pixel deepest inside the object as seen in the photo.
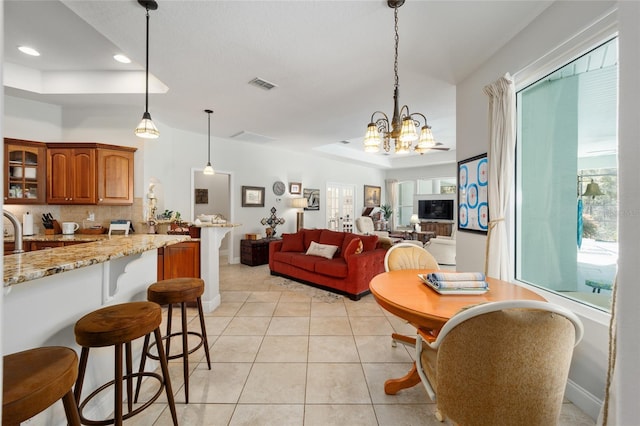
(279, 188)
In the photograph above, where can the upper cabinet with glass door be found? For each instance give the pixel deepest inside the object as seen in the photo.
(24, 171)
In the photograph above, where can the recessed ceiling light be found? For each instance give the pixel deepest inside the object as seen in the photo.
(122, 59)
(28, 50)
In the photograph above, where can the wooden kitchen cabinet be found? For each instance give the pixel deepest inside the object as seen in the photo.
(89, 173)
(24, 168)
(181, 260)
(115, 176)
(9, 246)
(71, 175)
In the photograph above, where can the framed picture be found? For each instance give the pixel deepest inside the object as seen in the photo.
(295, 188)
(202, 196)
(313, 199)
(371, 196)
(473, 209)
(253, 196)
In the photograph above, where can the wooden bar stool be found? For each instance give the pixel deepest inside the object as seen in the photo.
(34, 379)
(168, 292)
(119, 325)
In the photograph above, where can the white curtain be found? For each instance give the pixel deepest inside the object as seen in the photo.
(391, 188)
(502, 142)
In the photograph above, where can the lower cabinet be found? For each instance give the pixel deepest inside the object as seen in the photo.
(180, 260)
(440, 228)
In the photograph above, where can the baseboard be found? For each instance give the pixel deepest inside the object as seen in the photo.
(583, 399)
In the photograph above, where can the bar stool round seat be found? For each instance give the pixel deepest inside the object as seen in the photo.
(115, 326)
(35, 379)
(180, 291)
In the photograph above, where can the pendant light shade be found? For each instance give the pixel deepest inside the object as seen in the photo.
(146, 129)
(208, 170)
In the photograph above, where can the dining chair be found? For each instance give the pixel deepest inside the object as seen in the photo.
(500, 363)
(407, 256)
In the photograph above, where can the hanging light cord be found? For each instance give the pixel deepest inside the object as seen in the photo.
(209, 137)
(146, 98)
(395, 63)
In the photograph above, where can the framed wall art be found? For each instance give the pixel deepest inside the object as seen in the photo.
(473, 207)
(202, 196)
(295, 188)
(372, 196)
(313, 198)
(253, 196)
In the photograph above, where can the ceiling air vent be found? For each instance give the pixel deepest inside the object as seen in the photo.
(263, 84)
(345, 142)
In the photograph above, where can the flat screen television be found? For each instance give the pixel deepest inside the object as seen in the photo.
(435, 209)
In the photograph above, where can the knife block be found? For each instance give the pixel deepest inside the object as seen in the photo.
(56, 229)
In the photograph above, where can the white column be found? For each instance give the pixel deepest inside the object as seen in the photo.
(210, 240)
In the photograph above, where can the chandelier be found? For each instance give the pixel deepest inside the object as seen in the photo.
(402, 127)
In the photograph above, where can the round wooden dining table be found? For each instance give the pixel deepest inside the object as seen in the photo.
(404, 294)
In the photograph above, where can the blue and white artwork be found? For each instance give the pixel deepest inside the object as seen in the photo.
(473, 209)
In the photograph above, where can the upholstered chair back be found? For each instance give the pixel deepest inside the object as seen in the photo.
(364, 225)
(408, 256)
(508, 366)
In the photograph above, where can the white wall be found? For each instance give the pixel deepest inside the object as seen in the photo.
(426, 172)
(559, 23)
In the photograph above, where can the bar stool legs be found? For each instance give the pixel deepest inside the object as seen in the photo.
(118, 326)
(179, 291)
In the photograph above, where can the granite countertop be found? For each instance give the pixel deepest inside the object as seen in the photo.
(216, 225)
(88, 238)
(19, 268)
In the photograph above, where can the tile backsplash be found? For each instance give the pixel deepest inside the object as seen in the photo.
(70, 213)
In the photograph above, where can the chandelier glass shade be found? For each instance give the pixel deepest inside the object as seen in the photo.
(208, 170)
(146, 129)
(402, 127)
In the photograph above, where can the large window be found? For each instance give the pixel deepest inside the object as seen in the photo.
(566, 180)
(405, 203)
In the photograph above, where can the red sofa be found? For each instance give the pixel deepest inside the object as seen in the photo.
(358, 258)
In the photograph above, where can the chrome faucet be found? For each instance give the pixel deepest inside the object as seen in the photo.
(17, 231)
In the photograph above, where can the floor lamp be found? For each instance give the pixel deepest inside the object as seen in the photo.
(299, 203)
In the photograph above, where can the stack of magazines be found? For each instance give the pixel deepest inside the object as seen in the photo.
(456, 282)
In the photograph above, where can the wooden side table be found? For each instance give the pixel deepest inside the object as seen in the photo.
(255, 252)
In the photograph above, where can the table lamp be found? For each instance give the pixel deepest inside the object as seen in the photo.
(299, 203)
(415, 221)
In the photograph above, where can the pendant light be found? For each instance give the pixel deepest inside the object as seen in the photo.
(146, 129)
(208, 170)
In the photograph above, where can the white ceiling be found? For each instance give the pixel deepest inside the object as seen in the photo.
(332, 62)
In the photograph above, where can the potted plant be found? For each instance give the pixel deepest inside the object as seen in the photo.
(387, 211)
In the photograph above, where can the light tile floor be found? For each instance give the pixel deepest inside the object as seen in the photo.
(287, 354)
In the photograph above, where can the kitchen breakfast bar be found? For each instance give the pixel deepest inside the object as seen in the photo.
(47, 291)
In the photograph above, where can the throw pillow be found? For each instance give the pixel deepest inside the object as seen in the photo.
(369, 242)
(322, 250)
(354, 247)
(293, 242)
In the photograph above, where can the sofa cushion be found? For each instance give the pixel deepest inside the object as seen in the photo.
(353, 247)
(311, 235)
(336, 268)
(323, 250)
(293, 242)
(368, 242)
(333, 238)
(302, 261)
